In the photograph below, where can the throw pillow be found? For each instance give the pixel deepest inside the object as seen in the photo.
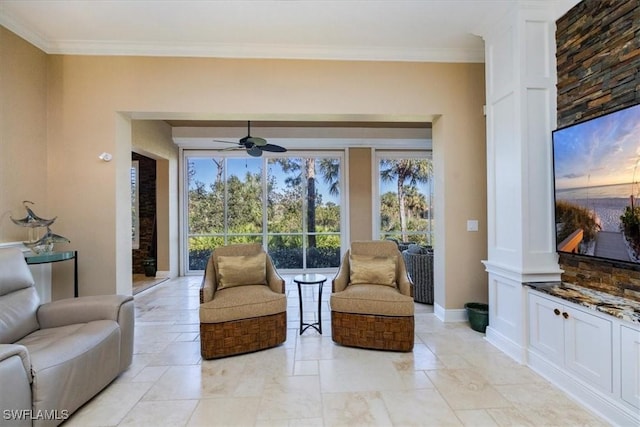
(372, 270)
(242, 270)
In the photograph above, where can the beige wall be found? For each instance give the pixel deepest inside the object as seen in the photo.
(23, 133)
(93, 99)
(360, 194)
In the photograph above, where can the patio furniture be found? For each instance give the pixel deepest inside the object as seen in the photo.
(419, 263)
(243, 307)
(372, 299)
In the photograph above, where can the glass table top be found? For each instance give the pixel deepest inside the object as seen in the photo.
(54, 256)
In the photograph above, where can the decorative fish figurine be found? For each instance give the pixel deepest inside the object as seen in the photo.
(32, 220)
(48, 238)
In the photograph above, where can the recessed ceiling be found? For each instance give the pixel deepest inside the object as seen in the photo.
(399, 30)
(297, 124)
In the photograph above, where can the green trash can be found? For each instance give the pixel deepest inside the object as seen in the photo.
(478, 314)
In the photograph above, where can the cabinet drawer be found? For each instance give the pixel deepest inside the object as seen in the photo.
(630, 365)
(546, 329)
(588, 347)
(578, 341)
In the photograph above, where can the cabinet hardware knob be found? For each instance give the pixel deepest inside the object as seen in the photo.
(565, 315)
(556, 311)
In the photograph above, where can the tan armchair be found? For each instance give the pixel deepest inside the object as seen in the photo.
(243, 307)
(372, 299)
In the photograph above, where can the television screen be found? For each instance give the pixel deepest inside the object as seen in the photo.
(597, 186)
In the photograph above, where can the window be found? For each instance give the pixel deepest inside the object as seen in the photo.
(304, 212)
(405, 197)
(135, 204)
(291, 205)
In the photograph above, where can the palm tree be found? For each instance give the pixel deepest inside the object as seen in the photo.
(330, 170)
(406, 172)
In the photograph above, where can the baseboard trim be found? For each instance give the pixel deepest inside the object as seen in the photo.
(582, 392)
(507, 346)
(453, 315)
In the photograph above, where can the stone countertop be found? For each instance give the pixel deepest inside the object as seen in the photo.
(622, 308)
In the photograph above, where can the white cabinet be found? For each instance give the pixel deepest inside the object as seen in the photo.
(573, 339)
(630, 365)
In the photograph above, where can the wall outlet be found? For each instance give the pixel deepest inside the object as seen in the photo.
(472, 225)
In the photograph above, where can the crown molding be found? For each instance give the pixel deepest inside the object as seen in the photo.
(33, 37)
(230, 50)
(265, 51)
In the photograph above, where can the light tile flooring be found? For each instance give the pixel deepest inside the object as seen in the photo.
(453, 377)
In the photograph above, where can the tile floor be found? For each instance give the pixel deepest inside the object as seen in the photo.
(141, 282)
(453, 377)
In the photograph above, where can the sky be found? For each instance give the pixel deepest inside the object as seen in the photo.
(602, 151)
(206, 172)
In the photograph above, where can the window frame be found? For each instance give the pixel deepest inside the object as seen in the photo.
(186, 154)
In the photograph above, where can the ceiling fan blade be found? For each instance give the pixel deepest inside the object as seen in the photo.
(273, 148)
(226, 142)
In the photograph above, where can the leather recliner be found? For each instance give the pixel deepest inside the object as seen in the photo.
(56, 356)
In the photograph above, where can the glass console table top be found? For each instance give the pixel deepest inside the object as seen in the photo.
(49, 257)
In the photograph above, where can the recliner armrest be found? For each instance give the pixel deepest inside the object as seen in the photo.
(10, 350)
(81, 310)
(15, 392)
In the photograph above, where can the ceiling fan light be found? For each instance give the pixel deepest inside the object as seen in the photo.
(254, 151)
(256, 140)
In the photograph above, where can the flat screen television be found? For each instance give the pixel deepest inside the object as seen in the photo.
(597, 186)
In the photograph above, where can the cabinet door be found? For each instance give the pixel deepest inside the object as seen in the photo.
(546, 333)
(588, 349)
(630, 365)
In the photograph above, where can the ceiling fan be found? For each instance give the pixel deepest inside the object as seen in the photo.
(253, 145)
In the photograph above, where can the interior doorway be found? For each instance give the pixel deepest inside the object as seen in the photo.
(144, 219)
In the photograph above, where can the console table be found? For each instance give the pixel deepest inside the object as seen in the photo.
(57, 256)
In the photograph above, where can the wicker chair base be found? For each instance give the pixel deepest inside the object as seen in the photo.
(242, 336)
(375, 332)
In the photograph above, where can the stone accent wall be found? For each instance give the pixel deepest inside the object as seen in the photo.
(598, 64)
(147, 209)
(606, 276)
(598, 59)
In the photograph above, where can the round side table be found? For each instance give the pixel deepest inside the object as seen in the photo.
(310, 279)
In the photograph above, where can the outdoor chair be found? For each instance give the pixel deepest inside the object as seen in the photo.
(419, 263)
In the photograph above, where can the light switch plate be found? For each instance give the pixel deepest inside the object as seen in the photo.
(472, 225)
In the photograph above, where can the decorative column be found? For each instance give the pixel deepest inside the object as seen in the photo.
(521, 113)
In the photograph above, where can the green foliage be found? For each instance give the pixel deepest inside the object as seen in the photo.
(284, 258)
(630, 225)
(574, 217)
(242, 216)
(404, 214)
